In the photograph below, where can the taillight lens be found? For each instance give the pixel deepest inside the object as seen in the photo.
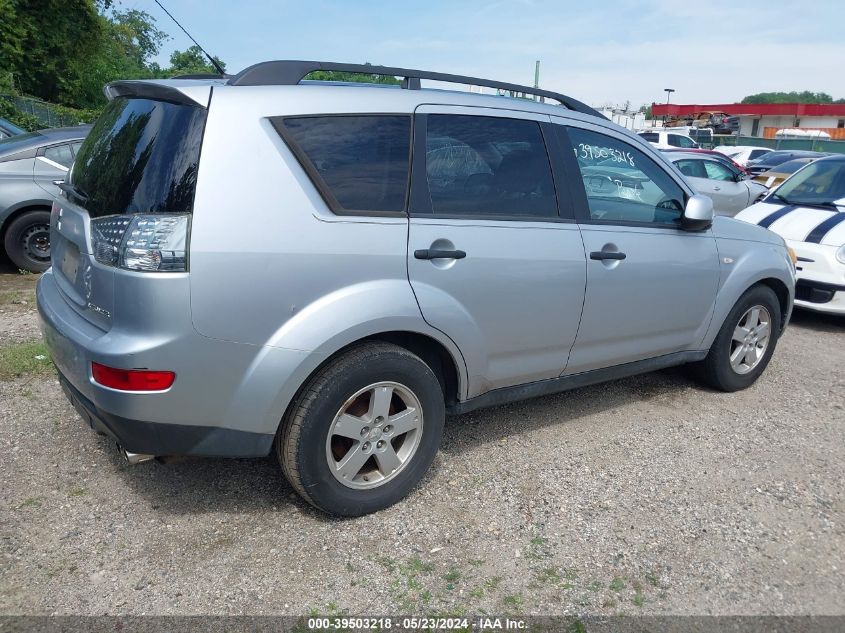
(132, 379)
(156, 243)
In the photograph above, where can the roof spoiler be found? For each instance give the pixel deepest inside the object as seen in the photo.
(158, 91)
(291, 72)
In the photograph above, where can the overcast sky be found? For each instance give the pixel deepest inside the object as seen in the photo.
(601, 52)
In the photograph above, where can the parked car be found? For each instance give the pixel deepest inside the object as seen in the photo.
(9, 129)
(742, 154)
(728, 125)
(343, 264)
(777, 157)
(776, 175)
(808, 211)
(727, 160)
(665, 139)
(729, 188)
(29, 166)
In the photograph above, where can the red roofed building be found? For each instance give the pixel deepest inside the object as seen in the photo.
(765, 119)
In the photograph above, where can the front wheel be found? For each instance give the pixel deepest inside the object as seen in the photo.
(745, 343)
(363, 431)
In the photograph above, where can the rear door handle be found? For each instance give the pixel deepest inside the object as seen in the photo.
(435, 253)
(606, 255)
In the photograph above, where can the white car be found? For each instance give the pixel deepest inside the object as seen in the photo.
(743, 153)
(730, 189)
(808, 211)
(665, 139)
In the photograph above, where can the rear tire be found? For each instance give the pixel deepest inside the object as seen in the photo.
(27, 241)
(745, 343)
(363, 431)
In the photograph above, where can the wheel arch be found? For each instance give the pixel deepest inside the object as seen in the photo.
(24, 208)
(784, 298)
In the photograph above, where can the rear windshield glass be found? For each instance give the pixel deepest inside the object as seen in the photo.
(141, 157)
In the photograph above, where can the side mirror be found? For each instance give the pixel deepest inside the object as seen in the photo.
(698, 215)
(740, 177)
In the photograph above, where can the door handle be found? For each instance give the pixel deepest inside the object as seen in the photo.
(717, 188)
(436, 253)
(600, 255)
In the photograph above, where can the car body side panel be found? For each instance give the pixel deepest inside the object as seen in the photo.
(742, 267)
(17, 188)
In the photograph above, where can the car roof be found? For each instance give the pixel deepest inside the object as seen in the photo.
(676, 156)
(26, 143)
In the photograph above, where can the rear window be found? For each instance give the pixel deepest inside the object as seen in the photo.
(359, 163)
(141, 157)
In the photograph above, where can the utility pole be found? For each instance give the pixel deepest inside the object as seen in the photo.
(668, 92)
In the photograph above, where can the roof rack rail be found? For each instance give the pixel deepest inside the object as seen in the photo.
(291, 72)
(200, 76)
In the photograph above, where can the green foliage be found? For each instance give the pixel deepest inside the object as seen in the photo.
(47, 45)
(192, 61)
(23, 120)
(791, 97)
(328, 75)
(66, 51)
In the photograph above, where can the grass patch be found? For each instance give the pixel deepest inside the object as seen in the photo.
(638, 599)
(617, 584)
(513, 602)
(491, 583)
(23, 358)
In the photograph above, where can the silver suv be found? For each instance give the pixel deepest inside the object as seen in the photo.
(259, 263)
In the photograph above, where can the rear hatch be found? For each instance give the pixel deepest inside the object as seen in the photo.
(128, 198)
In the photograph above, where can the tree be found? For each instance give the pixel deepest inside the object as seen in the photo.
(646, 110)
(192, 61)
(789, 97)
(47, 45)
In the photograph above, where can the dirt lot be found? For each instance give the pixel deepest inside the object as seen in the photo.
(645, 495)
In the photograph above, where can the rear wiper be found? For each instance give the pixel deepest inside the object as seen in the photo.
(73, 190)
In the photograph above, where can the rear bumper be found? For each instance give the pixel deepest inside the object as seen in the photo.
(227, 400)
(154, 438)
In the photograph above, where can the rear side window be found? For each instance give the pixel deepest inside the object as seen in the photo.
(757, 153)
(141, 156)
(651, 137)
(359, 163)
(487, 166)
(678, 140)
(60, 154)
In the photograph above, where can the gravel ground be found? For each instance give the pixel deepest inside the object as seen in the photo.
(645, 495)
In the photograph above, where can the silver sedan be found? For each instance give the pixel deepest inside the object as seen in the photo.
(730, 189)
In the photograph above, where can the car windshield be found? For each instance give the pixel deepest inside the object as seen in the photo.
(821, 182)
(790, 166)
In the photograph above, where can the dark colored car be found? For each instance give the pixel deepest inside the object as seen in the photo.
(9, 129)
(30, 165)
(773, 159)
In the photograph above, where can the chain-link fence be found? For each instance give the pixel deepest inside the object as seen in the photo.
(47, 114)
(812, 144)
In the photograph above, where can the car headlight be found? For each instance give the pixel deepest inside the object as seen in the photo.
(840, 254)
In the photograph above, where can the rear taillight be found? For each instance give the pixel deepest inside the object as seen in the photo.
(132, 379)
(156, 243)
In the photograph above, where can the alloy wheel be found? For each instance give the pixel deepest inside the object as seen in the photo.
(374, 435)
(750, 339)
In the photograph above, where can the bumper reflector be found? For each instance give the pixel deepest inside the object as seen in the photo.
(132, 379)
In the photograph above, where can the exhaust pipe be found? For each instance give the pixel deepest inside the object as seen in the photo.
(134, 459)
